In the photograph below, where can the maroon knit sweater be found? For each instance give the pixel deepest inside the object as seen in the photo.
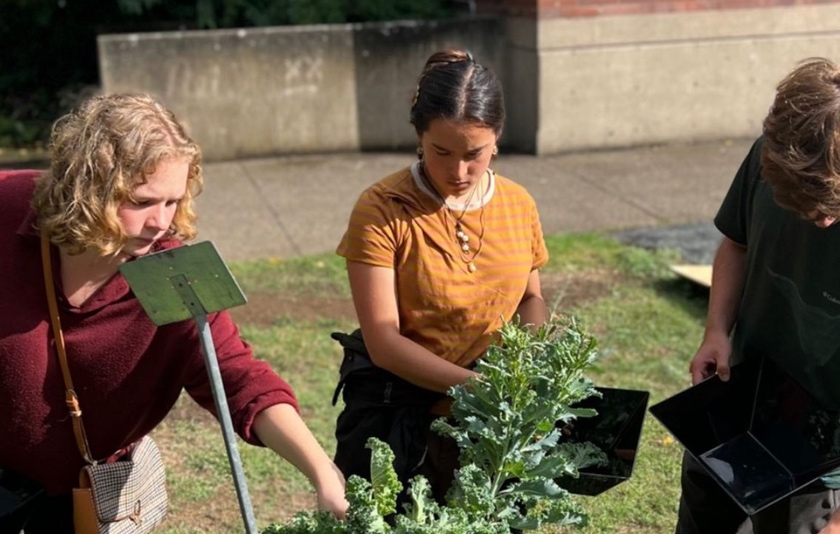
(127, 372)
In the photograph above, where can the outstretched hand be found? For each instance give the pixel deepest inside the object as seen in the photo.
(712, 357)
(331, 495)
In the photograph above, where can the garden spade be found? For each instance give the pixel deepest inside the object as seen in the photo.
(187, 282)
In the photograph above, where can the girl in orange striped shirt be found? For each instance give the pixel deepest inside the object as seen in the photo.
(439, 254)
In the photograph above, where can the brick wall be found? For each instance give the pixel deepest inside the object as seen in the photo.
(590, 8)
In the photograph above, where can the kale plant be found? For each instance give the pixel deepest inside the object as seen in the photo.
(509, 424)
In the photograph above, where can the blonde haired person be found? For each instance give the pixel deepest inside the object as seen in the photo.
(98, 155)
(776, 290)
(439, 254)
(121, 182)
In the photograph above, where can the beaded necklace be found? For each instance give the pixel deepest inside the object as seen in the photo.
(467, 254)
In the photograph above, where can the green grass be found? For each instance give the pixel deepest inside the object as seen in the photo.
(648, 329)
(647, 322)
(319, 275)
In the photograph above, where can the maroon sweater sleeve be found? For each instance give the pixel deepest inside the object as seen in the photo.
(251, 385)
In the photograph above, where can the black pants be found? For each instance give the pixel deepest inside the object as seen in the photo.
(440, 464)
(706, 509)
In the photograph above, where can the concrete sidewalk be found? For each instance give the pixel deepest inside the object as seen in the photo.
(291, 206)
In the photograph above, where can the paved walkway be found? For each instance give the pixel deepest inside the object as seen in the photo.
(289, 206)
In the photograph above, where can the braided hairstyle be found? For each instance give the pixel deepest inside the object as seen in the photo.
(455, 87)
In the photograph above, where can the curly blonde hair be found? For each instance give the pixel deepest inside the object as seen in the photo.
(99, 153)
(801, 151)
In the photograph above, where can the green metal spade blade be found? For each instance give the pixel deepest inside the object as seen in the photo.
(183, 283)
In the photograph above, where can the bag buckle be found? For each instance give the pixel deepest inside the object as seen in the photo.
(135, 516)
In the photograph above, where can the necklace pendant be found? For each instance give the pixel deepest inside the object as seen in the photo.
(472, 267)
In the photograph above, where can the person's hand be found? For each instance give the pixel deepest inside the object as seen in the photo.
(712, 357)
(833, 526)
(331, 494)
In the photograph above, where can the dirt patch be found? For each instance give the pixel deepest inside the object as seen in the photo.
(263, 309)
(563, 291)
(560, 290)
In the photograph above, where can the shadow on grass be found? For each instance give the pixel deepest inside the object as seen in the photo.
(692, 298)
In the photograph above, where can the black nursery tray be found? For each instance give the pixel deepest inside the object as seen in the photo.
(16, 493)
(616, 431)
(760, 435)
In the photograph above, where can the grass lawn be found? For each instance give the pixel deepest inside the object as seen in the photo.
(647, 322)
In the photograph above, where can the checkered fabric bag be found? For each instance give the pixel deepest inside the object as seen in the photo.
(124, 497)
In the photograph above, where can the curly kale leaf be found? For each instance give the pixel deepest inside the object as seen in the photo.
(383, 477)
(317, 522)
(363, 514)
(425, 516)
(370, 502)
(473, 493)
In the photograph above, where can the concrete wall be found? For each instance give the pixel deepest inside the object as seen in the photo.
(578, 74)
(388, 60)
(268, 91)
(613, 81)
(244, 92)
(522, 86)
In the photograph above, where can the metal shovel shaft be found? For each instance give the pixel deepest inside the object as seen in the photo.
(223, 412)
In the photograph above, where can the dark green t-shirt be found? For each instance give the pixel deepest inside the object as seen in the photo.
(790, 310)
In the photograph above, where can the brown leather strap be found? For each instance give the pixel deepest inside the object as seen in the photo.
(71, 398)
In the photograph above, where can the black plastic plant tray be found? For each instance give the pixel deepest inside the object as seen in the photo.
(760, 435)
(616, 431)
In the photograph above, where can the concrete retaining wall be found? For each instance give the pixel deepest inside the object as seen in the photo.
(268, 91)
(614, 81)
(572, 82)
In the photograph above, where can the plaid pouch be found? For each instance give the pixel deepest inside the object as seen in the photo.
(124, 497)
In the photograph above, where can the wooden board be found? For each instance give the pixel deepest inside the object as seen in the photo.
(699, 274)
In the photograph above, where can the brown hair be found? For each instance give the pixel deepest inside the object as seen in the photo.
(454, 86)
(99, 153)
(801, 152)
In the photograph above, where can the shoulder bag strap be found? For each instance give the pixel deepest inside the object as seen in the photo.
(71, 398)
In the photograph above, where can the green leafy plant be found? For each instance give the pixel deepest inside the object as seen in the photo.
(509, 424)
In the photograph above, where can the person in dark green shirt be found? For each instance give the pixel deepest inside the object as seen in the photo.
(776, 288)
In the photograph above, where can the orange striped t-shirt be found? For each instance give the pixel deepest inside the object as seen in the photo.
(398, 223)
